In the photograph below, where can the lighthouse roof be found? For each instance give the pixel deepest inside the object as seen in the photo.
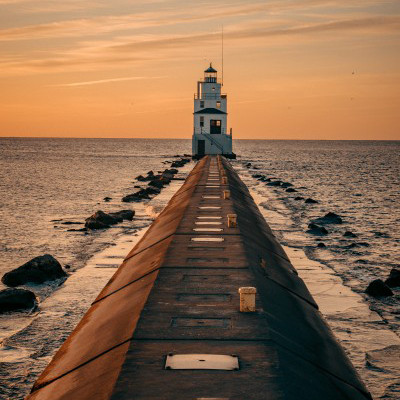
(210, 69)
(210, 111)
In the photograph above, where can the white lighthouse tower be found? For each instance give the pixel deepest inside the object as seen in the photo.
(210, 135)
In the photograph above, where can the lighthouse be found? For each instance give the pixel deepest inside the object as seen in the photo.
(210, 134)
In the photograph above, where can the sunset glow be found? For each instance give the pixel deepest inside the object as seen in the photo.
(293, 69)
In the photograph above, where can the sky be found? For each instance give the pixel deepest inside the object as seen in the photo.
(293, 69)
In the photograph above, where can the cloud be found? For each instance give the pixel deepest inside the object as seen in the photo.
(113, 23)
(123, 51)
(86, 83)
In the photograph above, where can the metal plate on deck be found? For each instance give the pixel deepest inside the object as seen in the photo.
(202, 361)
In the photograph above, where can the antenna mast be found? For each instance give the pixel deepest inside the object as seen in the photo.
(222, 54)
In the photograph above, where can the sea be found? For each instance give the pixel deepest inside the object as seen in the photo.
(49, 186)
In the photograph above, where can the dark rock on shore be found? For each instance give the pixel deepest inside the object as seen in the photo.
(38, 270)
(310, 201)
(358, 244)
(286, 184)
(378, 288)
(274, 183)
(315, 229)
(321, 245)
(291, 190)
(248, 165)
(140, 195)
(258, 176)
(180, 163)
(349, 234)
(299, 198)
(123, 215)
(394, 278)
(16, 300)
(107, 199)
(100, 220)
(330, 218)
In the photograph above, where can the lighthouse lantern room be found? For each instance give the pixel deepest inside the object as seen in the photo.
(210, 135)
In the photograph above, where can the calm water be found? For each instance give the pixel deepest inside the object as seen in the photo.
(45, 182)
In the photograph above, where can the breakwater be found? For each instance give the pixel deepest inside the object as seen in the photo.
(176, 293)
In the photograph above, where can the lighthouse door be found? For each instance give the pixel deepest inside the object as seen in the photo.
(215, 126)
(201, 147)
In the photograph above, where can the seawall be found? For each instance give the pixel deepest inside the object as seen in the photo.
(176, 293)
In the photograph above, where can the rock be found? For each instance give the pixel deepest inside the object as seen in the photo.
(378, 288)
(100, 220)
(358, 244)
(330, 218)
(315, 229)
(349, 234)
(123, 215)
(171, 171)
(107, 199)
(286, 184)
(299, 198)
(71, 223)
(257, 176)
(248, 165)
(16, 299)
(274, 183)
(310, 201)
(137, 196)
(38, 270)
(140, 178)
(321, 245)
(290, 190)
(156, 183)
(394, 278)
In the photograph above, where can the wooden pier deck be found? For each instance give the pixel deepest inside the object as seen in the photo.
(176, 294)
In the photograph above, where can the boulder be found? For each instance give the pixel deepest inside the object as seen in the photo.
(315, 229)
(38, 270)
(274, 183)
(156, 183)
(321, 245)
(291, 190)
(248, 165)
(330, 218)
(310, 201)
(299, 198)
(258, 176)
(378, 288)
(107, 199)
(349, 234)
(286, 184)
(394, 278)
(137, 196)
(100, 220)
(16, 300)
(171, 171)
(123, 215)
(358, 244)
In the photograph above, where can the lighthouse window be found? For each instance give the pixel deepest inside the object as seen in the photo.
(201, 104)
(201, 121)
(218, 104)
(218, 122)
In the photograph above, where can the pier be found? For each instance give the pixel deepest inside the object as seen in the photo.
(171, 323)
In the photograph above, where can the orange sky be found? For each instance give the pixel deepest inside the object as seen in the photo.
(294, 69)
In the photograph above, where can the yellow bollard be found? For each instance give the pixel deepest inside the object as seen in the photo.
(247, 299)
(232, 220)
